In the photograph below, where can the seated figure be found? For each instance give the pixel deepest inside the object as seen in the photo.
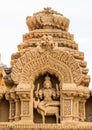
(46, 105)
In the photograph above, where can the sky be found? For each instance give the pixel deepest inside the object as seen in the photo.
(13, 15)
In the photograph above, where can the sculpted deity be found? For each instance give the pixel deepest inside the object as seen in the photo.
(47, 103)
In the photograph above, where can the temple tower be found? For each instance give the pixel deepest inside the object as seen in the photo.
(49, 78)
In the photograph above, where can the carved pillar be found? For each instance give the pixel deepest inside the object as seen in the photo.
(11, 106)
(25, 93)
(17, 108)
(25, 103)
(76, 107)
(60, 85)
(68, 101)
(67, 113)
(11, 110)
(82, 109)
(84, 94)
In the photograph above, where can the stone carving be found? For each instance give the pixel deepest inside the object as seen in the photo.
(51, 58)
(46, 105)
(67, 107)
(12, 107)
(47, 42)
(48, 78)
(25, 108)
(47, 19)
(7, 78)
(81, 111)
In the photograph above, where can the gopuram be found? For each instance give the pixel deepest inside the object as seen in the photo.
(46, 87)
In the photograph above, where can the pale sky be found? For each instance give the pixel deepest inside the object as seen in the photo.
(13, 24)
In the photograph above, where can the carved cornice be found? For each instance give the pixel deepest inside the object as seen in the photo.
(11, 94)
(74, 125)
(23, 91)
(64, 39)
(56, 33)
(24, 96)
(23, 87)
(71, 90)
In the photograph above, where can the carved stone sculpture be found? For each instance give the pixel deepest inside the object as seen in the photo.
(46, 86)
(45, 104)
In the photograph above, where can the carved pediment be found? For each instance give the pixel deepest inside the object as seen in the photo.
(58, 62)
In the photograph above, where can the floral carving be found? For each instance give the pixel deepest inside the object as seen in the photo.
(67, 107)
(57, 61)
(47, 42)
(81, 110)
(25, 108)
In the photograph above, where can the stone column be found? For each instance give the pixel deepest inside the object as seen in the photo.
(82, 109)
(25, 106)
(17, 108)
(76, 108)
(11, 105)
(25, 93)
(68, 103)
(61, 103)
(11, 110)
(67, 110)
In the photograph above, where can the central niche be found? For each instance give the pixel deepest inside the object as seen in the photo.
(46, 99)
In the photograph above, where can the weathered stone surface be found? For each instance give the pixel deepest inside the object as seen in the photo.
(47, 84)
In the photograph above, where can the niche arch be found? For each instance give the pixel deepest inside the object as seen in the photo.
(39, 80)
(60, 63)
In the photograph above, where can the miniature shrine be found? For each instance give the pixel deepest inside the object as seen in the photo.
(47, 85)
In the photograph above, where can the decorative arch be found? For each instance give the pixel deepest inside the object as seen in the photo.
(30, 72)
(60, 63)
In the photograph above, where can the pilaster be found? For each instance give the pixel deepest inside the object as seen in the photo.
(11, 110)
(17, 108)
(68, 96)
(10, 97)
(25, 93)
(76, 108)
(82, 109)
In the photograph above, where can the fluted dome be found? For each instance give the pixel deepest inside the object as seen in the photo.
(47, 19)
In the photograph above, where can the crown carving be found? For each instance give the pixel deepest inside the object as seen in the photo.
(47, 19)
